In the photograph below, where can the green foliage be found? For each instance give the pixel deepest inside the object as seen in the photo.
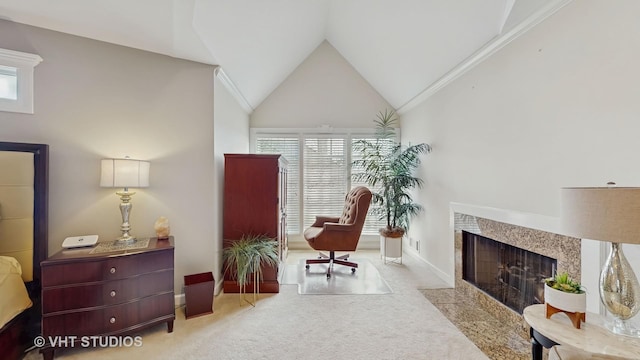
(563, 282)
(389, 166)
(243, 257)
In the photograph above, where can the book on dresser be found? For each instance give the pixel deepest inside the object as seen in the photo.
(109, 293)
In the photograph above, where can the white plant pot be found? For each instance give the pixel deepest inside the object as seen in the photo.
(565, 301)
(391, 247)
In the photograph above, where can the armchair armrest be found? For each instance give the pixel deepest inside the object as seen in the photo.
(320, 220)
(329, 226)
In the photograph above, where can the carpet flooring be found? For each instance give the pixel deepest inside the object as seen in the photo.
(314, 281)
(399, 325)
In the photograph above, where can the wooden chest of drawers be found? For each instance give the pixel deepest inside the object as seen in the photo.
(107, 294)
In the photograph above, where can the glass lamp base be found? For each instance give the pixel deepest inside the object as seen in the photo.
(622, 327)
(619, 292)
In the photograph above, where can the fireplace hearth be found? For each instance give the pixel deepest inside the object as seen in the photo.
(511, 275)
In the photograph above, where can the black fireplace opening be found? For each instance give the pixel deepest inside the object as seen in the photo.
(511, 275)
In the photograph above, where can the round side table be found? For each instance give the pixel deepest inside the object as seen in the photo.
(592, 337)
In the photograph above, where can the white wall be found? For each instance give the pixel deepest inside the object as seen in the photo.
(231, 129)
(95, 100)
(324, 90)
(556, 107)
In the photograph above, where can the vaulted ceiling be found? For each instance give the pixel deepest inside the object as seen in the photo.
(401, 47)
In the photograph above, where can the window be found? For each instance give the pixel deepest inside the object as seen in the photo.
(288, 147)
(319, 172)
(8, 83)
(16, 80)
(325, 177)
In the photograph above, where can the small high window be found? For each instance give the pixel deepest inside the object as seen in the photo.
(8, 83)
(16, 80)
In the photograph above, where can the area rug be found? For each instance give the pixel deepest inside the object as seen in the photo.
(313, 281)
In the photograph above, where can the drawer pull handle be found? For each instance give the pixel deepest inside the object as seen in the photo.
(112, 270)
(113, 293)
(112, 320)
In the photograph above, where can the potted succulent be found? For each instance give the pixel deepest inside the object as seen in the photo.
(565, 294)
(388, 168)
(245, 258)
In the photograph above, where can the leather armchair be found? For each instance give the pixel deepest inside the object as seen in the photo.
(339, 233)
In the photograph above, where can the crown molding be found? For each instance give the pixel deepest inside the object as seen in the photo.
(484, 53)
(19, 57)
(233, 90)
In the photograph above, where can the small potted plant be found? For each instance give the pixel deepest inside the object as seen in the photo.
(565, 294)
(245, 258)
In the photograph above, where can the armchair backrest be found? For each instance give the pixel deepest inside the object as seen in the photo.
(356, 205)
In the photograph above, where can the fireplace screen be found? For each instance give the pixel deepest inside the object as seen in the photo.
(511, 275)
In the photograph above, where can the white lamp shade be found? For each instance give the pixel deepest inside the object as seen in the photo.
(124, 173)
(601, 213)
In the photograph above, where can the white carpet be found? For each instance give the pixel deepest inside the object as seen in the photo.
(313, 281)
(400, 325)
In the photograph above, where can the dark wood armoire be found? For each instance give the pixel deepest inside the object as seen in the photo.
(255, 190)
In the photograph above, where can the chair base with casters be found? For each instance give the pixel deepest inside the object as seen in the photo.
(332, 259)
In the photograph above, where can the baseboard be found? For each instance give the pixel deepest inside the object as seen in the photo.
(179, 298)
(218, 289)
(449, 280)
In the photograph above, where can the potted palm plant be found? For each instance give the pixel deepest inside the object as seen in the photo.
(388, 168)
(245, 258)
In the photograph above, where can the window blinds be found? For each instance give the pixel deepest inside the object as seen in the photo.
(288, 147)
(320, 171)
(325, 177)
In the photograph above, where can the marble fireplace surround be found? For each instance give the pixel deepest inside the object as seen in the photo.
(531, 232)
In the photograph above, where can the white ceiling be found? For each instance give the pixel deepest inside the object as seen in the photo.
(400, 46)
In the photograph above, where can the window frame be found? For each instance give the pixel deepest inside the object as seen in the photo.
(301, 133)
(24, 63)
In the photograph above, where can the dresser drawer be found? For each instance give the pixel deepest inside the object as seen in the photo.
(111, 319)
(110, 268)
(60, 298)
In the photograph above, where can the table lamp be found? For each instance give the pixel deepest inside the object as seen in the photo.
(125, 173)
(609, 214)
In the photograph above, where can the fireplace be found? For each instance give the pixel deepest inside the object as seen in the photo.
(509, 274)
(520, 230)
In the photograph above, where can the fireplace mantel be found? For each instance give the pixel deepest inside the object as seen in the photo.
(523, 219)
(532, 232)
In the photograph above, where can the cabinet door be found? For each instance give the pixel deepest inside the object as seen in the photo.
(282, 219)
(250, 197)
(254, 204)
